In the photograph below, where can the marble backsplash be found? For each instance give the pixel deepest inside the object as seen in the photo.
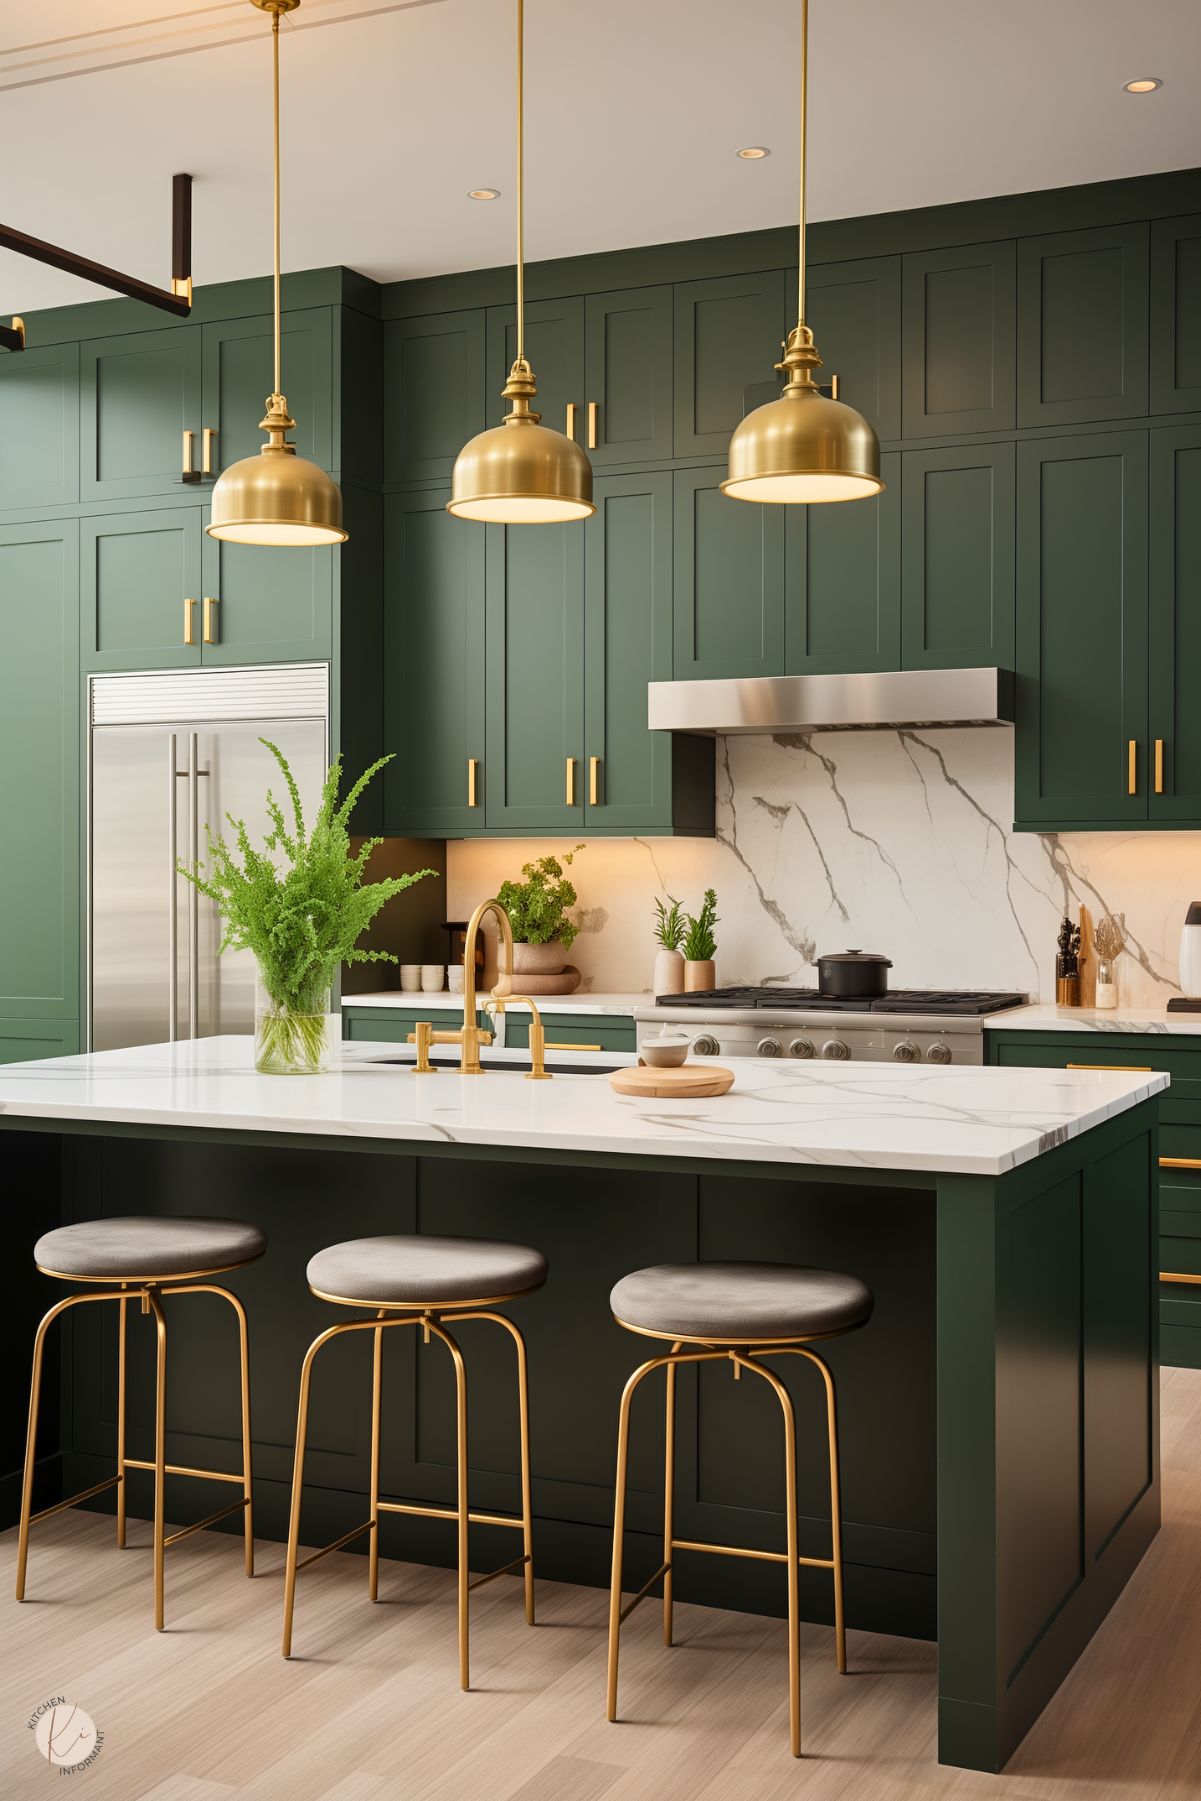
(891, 841)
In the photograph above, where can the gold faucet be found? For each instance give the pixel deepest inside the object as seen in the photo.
(470, 1035)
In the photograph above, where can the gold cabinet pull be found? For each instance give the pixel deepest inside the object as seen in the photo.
(188, 472)
(571, 412)
(594, 781)
(1159, 766)
(835, 386)
(1132, 767)
(1125, 1069)
(189, 636)
(207, 440)
(1180, 1163)
(206, 622)
(1167, 1275)
(592, 410)
(473, 766)
(553, 1045)
(571, 781)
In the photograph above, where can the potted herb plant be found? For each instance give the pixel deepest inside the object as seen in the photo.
(300, 905)
(700, 947)
(542, 931)
(669, 931)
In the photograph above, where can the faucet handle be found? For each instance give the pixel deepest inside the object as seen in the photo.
(539, 1072)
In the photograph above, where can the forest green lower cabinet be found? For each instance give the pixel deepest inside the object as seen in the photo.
(957, 557)
(28, 1040)
(843, 582)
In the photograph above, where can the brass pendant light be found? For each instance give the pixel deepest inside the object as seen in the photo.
(277, 498)
(521, 472)
(803, 446)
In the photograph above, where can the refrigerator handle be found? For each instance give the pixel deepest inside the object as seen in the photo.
(172, 884)
(193, 895)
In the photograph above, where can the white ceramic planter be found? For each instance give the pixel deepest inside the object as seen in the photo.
(669, 972)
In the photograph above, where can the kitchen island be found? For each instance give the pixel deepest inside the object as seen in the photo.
(999, 1414)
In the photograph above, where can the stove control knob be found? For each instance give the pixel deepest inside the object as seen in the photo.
(801, 1047)
(705, 1045)
(906, 1051)
(835, 1049)
(939, 1053)
(768, 1047)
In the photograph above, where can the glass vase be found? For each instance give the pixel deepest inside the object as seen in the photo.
(291, 1042)
(1107, 987)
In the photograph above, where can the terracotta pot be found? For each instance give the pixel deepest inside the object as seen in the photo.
(699, 976)
(539, 959)
(669, 972)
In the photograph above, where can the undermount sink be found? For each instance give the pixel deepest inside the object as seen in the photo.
(405, 1059)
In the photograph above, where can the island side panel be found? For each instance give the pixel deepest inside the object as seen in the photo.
(34, 1189)
(1048, 1422)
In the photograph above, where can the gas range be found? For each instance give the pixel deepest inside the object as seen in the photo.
(907, 1025)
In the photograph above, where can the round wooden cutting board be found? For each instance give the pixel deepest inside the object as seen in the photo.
(691, 1081)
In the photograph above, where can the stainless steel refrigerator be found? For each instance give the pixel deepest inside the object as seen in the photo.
(172, 752)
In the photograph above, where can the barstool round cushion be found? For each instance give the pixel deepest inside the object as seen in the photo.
(740, 1302)
(99, 1250)
(409, 1270)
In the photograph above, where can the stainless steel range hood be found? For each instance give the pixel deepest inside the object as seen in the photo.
(833, 703)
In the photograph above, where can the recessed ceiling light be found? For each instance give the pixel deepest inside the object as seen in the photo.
(483, 193)
(753, 153)
(1144, 84)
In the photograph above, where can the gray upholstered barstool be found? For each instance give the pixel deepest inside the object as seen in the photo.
(144, 1260)
(431, 1283)
(741, 1312)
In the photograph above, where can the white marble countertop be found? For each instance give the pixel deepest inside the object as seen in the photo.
(1041, 1018)
(861, 1115)
(622, 1005)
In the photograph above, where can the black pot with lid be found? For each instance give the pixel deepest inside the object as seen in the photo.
(853, 975)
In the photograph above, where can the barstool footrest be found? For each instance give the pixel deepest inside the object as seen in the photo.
(210, 1519)
(85, 1494)
(644, 1591)
(316, 1556)
(448, 1513)
(809, 1563)
(516, 1563)
(183, 1469)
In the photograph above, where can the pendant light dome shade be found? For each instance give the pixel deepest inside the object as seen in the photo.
(803, 447)
(520, 472)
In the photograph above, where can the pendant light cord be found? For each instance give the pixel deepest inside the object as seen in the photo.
(520, 181)
(804, 131)
(275, 50)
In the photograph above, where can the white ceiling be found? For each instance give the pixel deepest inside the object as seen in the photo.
(394, 108)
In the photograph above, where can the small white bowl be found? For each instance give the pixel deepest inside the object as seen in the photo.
(666, 1050)
(433, 975)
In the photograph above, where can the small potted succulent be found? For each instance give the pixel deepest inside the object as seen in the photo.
(542, 931)
(669, 932)
(700, 947)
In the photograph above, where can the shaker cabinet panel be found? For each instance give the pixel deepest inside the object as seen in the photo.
(434, 392)
(39, 443)
(957, 557)
(1175, 623)
(1081, 730)
(554, 345)
(239, 375)
(138, 394)
(141, 587)
(433, 664)
(265, 606)
(1082, 326)
(628, 376)
(960, 340)
(729, 580)
(1176, 315)
(855, 311)
(844, 587)
(728, 332)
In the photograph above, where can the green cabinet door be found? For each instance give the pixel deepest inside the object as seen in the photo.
(40, 710)
(1176, 315)
(628, 376)
(239, 374)
(554, 345)
(39, 442)
(627, 626)
(1082, 326)
(138, 394)
(728, 332)
(434, 392)
(27, 1040)
(141, 589)
(958, 528)
(844, 582)
(1175, 623)
(1082, 631)
(960, 344)
(728, 580)
(854, 309)
(534, 604)
(433, 667)
(266, 606)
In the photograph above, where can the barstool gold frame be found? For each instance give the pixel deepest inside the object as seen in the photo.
(742, 1354)
(433, 1318)
(151, 1292)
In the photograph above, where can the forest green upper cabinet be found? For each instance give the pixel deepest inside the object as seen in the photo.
(1082, 630)
(265, 606)
(39, 442)
(628, 376)
(138, 394)
(554, 344)
(1175, 614)
(729, 580)
(727, 339)
(957, 557)
(855, 311)
(239, 374)
(535, 659)
(844, 589)
(434, 392)
(1082, 326)
(141, 587)
(433, 657)
(39, 796)
(960, 350)
(1176, 315)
